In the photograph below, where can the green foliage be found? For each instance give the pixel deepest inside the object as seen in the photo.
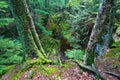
(74, 2)
(50, 45)
(10, 53)
(81, 21)
(90, 59)
(3, 9)
(3, 5)
(47, 71)
(75, 54)
(39, 14)
(2, 69)
(5, 21)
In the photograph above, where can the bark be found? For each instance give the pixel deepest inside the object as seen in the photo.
(106, 38)
(26, 28)
(99, 25)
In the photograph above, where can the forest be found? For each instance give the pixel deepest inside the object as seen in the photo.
(59, 39)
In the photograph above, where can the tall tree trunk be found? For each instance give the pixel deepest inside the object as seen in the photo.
(99, 25)
(106, 38)
(26, 29)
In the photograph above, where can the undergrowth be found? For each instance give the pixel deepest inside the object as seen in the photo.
(75, 54)
(10, 54)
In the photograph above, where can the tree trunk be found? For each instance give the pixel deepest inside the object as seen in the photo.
(26, 29)
(106, 38)
(99, 25)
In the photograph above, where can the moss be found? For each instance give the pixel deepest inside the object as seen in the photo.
(66, 65)
(9, 68)
(117, 63)
(110, 54)
(47, 71)
(16, 75)
(114, 54)
(25, 67)
(81, 71)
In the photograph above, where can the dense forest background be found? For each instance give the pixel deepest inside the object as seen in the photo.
(38, 35)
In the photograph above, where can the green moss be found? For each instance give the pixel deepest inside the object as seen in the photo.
(47, 71)
(16, 75)
(114, 54)
(110, 54)
(66, 65)
(26, 67)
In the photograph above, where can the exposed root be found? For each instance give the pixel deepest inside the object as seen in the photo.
(113, 74)
(91, 69)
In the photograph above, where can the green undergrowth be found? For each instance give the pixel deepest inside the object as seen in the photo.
(114, 54)
(50, 70)
(51, 46)
(75, 54)
(47, 71)
(16, 75)
(10, 54)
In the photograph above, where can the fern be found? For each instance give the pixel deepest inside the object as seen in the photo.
(10, 51)
(75, 54)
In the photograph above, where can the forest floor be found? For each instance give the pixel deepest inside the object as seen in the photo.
(71, 71)
(110, 62)
(68, 71)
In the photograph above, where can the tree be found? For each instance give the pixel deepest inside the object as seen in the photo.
(26, 29)
(101, 20)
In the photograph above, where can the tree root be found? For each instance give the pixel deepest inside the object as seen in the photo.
(113, 74)
(91, 69)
